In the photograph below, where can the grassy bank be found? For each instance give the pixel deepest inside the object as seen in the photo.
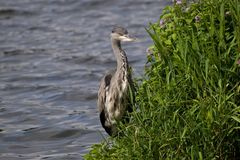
(188, 103)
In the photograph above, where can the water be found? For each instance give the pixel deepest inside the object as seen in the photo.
(52, 56)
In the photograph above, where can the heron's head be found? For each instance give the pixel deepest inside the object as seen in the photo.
(121, 34)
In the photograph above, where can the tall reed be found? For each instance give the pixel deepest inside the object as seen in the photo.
(188, 103)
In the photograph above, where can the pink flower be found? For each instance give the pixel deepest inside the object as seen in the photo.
(197, 19)
(178, 1)
(162, 22)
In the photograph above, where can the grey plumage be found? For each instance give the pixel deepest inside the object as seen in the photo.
(113, 94)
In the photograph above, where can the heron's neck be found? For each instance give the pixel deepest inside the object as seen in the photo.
(122, 62)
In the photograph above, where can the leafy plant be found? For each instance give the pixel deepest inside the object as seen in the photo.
(189, 100)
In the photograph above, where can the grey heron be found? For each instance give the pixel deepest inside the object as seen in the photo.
(116, 86)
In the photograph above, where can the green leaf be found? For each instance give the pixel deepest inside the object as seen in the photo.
(236, 118)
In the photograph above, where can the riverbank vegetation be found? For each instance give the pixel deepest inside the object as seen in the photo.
(188, 103)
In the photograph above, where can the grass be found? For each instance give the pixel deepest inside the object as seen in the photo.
(188, 103)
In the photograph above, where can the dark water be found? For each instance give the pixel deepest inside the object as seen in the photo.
(52, 56)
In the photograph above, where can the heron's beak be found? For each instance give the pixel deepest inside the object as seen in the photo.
(127, 38)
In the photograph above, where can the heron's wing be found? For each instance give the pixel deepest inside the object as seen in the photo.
(104, 85)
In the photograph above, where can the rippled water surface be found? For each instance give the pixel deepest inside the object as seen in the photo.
(52, 56)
